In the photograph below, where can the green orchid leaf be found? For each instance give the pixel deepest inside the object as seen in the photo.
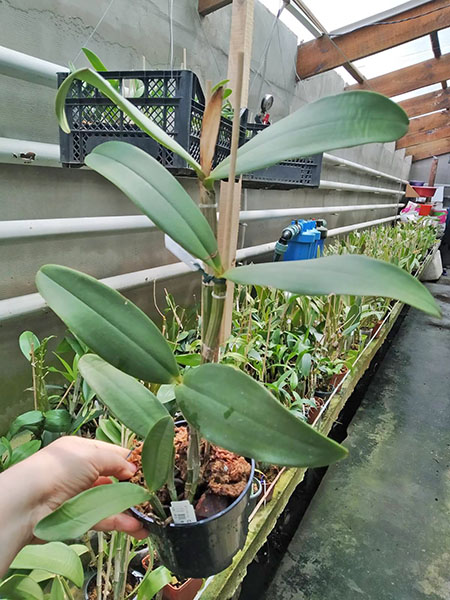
(57, 591)
(339, 121)
(31, 420)
(347, 274)
(153, 582)
(24, 451)
(158, 195)
(128, 400)
(234, 411)
(20, 587)
(57, 420)
(108, 323)
(27, 342)
(146, 124)
(76, 516)
(109, 432)
(157, 453)
(95, 61)
(55, 557)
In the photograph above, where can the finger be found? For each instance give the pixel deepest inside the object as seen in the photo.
(110, 460)
(102, 481)
(125, 523)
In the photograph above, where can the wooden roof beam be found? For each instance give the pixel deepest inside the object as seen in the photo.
(318, 56)
(432, 121)
(205, 7)
(423, 137)
(426, 103)
(429, 149)
(409, 78)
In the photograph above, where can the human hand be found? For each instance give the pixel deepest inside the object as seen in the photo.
(71, 465)
(35, 487)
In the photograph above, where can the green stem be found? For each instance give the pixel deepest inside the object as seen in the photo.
(157, 506)
(119, 567)
(100, 538)
(193, 464)
(210, 346)
(66, 588)
(171, 487)
(87, 543)
(112, 543)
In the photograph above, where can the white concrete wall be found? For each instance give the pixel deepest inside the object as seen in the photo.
(132, 29)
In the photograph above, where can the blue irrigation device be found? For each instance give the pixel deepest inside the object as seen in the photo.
(301, 240)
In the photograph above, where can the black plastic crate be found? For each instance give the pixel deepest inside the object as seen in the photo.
(174, 100)
(289, 174)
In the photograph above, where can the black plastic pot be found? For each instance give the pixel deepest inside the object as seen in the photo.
(206, 547)
(323, 394)
(255, 496)
(134, 576)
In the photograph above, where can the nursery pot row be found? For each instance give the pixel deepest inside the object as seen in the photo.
(206, 547)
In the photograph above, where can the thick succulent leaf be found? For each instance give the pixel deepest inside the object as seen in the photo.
(76, 516)
(20, 587)
(57, 591)
(28, 341)
(58, 420)
(128, 400)
(339, 121)
(157, 453)
(158, 195)
(55, 557)
(344, 274)
(108, 323)
(146, 124)
(234, 411)
(153, 582)
(31, 420)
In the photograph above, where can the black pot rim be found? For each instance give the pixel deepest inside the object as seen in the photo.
(144, 518)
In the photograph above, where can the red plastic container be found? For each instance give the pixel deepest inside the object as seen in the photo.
(423, 191)
(425, 209)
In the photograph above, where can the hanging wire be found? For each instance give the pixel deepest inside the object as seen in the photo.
(94, 30)
(263, 62)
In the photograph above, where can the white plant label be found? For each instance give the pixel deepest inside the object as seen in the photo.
(182, 512)
(172, 246)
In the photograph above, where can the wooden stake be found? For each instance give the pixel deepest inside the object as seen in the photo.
(230, 192)
(433, 171)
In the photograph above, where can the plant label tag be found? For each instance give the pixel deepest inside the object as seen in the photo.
(172, 246)
(182, 512)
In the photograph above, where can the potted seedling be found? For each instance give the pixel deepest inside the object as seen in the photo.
(47, 571)
(220, 403)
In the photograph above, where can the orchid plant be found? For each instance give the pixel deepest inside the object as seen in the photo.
(220, 403)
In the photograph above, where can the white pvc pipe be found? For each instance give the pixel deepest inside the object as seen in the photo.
(356, 187)
(29, 68)
(45, 155)
(347, 228)
(278, 213)
(343, 162)
(44, 228)
(20, 306)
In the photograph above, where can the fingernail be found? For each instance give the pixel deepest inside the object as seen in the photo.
(133, 468)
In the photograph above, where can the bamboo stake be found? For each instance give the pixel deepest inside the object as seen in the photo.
(240, 42)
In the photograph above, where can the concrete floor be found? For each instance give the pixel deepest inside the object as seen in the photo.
(378, 527)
